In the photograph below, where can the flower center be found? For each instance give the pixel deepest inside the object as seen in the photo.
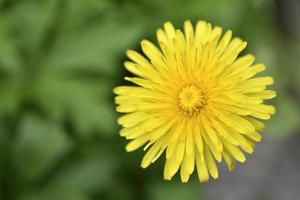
(191, 99)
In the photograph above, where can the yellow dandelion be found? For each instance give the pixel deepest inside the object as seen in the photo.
(193, 99)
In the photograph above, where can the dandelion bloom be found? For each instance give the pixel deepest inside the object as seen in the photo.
(194, 99)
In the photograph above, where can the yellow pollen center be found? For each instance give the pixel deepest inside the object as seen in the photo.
(191, 99)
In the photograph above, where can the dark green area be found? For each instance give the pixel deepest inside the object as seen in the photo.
(60, 59)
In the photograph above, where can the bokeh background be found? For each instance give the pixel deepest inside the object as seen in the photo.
(60, 59)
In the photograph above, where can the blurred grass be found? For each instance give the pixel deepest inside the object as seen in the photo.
(59, 60)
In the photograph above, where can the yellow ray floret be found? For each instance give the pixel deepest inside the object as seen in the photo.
(194, 99)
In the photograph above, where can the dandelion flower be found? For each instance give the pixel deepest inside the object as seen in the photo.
(193, 99)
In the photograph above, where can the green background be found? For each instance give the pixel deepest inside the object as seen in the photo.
(60, 59)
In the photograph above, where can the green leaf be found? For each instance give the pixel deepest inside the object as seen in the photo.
(125, 191)
(97, 47)
(9, 59)
(78, 13)
(173, 190)
(4, 149)
(99, 116)
(10, 97)
(86, 103)
(89, 175)
(67, 69)
(30, 20)
(58, 194)
(39, 146)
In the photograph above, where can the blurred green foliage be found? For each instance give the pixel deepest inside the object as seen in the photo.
(60, 59)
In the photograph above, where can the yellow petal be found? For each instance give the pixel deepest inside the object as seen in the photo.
(153, 53)
(169, 29)
(212, 147)
(138, 58)
(212, 135)
(261, 115)
(203, 32)
(132, 132)
(229, 160)
(188, 31)
(266, 94)
(121, 90)
(223, 132)
(137, 143)
(256, 123)
(232, 51)
(142, 71)
(180, 151)
(201, 168)
(224, 41)
(211, 164)
(234, 151)
(171, 149)
(190, 162)
(160, 131)
(151, 154)
(184, 175)
(198, 138)
(238, 123)
(171, 167)
(242, 142)
(189, 141)
(215, 35)
(141, 82)
(254, 136)
(132, 119)
(262, 108)
(251, 71)
(239, 65)
(254, 82)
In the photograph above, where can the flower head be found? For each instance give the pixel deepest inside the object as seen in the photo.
(193, 99)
